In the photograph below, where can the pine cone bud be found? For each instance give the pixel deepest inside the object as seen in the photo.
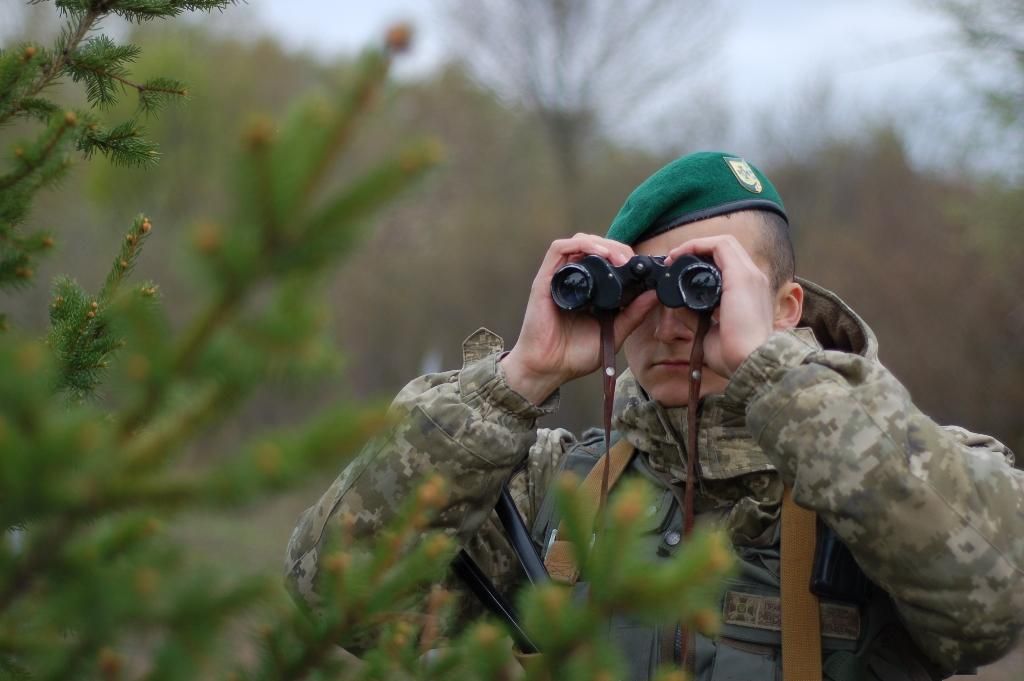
(70, 118)
(29, 52)
(432, 493)
(719, 557)
(123, 264)
(259, 134)
(147, 581)
(486, 635)
(337, 563)
(48, 242)
(630, 506)
(23, 272)
(19, 152)
(137, 367)
(207, 237)
(706, 621)
(268, 459)
(554, 600)
(110, 663)
(437, 546)
(146, 225)
(398, 38)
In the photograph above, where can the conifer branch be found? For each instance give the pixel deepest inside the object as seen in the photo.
(217, 313)
(124, 263)
(357, 101)
(30, 162)
(80, 332)
(152, 446)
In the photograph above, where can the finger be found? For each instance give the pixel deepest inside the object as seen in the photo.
(620, 252)
(728, 254)
(561, 250)
(630, 317)
(724, 247)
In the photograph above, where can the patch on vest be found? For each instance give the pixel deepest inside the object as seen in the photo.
(765, 612)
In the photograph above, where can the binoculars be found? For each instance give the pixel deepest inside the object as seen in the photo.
(595, 284)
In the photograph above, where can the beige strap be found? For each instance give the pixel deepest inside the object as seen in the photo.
(560, 559)
(801, 618)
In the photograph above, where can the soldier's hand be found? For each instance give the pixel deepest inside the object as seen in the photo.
(555, 346)
(745, 318)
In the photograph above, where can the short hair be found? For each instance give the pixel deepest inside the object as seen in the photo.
(777, 248)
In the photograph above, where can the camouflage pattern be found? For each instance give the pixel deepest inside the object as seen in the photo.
(933, 515)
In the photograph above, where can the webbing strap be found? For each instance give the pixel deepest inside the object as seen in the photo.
(801, 617)
(560, 559)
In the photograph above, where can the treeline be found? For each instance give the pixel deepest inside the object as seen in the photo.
(925, 256)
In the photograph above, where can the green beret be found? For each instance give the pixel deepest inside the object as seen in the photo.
(692, 188)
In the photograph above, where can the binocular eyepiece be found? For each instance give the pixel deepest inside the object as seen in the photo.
(594, 283)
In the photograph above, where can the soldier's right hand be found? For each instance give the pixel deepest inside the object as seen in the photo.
(555, 346)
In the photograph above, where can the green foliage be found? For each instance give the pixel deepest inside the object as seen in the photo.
(27, 71)
(94, 579)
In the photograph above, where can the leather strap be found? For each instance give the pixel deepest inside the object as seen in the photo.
(687, 640)
(607, 322)
(560, 559)
(801, 618)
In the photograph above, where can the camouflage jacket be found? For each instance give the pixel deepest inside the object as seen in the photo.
(934, 515)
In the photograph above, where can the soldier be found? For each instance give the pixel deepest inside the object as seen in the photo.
(792, 396)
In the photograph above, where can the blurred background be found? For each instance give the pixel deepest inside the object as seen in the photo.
(892, 129)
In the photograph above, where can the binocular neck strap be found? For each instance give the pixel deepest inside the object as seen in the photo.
(607, 322)
(696, 367)
(685, 636)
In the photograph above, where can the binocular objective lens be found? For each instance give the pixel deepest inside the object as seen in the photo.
(571, 287)
(701, 288)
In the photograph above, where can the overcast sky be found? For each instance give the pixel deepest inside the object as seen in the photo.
(877, 57)
(770, 49)
(874, 55)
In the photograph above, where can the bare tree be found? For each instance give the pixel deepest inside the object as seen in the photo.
(584, 65)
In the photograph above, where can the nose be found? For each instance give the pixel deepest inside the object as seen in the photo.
(675, 324)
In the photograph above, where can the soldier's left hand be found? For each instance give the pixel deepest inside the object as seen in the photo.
(745, 318)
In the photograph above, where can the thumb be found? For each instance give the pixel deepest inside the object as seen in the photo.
(632, 315)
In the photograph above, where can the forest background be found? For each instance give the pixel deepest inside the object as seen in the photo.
(928, 252)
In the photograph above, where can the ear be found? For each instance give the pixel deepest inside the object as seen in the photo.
(789, 305)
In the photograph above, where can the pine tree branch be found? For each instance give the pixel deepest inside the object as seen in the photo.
(358, 101)
(68, 44)
(141, 88)
(217, 313)
(29, 166)
(152, 446)
(124, 263)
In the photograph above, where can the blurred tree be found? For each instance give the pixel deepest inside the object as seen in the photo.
(90, 584)
(583, 66)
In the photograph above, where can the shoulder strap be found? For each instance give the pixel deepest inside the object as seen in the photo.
(801, 618)
(560, 559)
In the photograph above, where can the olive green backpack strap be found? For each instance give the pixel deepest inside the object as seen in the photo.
(560, 558)
(801, 617)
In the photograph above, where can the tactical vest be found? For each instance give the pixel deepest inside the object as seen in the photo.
(862, 637)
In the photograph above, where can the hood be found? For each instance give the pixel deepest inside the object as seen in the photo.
(725, 448)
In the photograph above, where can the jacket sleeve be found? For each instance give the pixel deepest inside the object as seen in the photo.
(467, 425)
(933, 515)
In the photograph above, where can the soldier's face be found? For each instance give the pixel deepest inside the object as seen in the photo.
(658, 351)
